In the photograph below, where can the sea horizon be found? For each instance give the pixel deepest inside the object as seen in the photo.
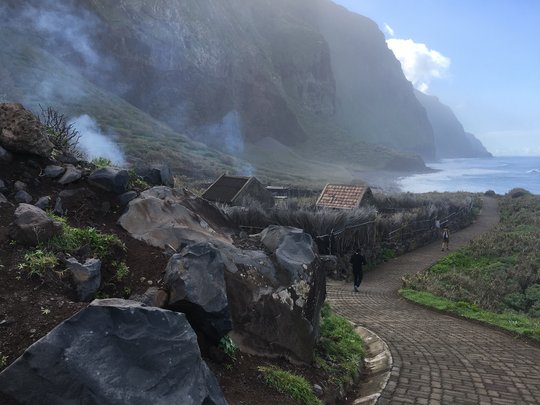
(498, 173)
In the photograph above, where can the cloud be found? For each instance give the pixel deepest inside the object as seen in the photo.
(419, 63)
(389, 30)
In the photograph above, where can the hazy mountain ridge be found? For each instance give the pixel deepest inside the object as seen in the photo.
(315, 77)
(451, 140)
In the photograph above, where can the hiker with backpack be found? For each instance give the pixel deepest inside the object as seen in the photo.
(445, 239)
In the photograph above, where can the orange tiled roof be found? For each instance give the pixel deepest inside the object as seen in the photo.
(341, 196)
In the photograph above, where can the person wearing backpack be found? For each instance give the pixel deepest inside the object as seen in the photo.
(445, 239)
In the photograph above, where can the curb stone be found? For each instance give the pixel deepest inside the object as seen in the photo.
(377, 365)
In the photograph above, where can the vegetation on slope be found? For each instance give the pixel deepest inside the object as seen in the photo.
(497, 275)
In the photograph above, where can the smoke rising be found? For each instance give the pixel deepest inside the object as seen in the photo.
(96, 144)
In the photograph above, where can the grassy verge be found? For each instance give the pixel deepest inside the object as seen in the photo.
(340, 349)
(513, 322)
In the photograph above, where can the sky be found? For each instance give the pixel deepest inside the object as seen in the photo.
(480, 57)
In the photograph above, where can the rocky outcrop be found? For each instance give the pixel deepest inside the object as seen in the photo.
(32, 225)
(114, 352)
(196, 284)
(275, 310)
(163, 217)
(71, 175)
(20, 131)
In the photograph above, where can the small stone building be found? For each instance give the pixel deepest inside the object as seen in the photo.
(345, 197)
(234, 190)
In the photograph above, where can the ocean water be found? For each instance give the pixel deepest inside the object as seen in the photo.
(500, 174)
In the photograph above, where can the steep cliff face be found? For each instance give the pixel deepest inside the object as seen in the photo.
(306, 76)
(451, 140)
(374, 100)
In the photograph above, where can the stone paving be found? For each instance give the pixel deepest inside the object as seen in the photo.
(438, 358)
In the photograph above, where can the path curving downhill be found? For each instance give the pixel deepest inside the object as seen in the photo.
(438, 358)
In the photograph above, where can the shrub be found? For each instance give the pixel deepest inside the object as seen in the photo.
(63, 136)
(297, 387)
(229, 347)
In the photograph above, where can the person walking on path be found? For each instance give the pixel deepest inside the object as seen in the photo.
(357, 261)
(445, 238)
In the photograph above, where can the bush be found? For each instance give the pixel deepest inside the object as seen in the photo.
(63, 136)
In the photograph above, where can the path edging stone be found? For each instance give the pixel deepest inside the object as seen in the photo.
(377, 365)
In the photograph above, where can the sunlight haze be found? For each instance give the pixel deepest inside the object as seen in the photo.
(480, 58)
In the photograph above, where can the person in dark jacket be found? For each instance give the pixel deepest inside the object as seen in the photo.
(357, 261)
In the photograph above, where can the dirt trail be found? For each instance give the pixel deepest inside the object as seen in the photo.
(440, 358)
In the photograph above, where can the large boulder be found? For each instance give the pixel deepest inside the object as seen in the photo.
(21, 131)
(114, 352)
(164, 217)
(32, 225)
(272, 236)
(195, 281)
(110, 179)
(276, 306)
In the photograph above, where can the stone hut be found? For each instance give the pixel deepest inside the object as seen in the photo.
(234, 190)
(345, 197)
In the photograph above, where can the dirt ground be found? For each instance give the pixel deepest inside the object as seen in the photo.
(31, 307)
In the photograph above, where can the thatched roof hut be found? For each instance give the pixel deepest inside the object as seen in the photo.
(234, 190)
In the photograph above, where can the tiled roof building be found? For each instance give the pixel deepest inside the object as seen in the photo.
(341, 196)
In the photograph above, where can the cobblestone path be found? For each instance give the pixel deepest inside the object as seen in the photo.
(440, 358)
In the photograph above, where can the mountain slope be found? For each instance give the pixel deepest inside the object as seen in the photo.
(313, 77)
(451, 140)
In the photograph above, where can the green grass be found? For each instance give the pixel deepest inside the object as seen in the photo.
(37, 262)
(297, 387)
(513, 322)
(340, 349)
(460, 260)
(121, 269)
(73, 239)
(101, 162)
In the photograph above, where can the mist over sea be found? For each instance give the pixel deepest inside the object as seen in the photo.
(501, 174)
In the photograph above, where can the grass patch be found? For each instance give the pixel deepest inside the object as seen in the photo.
(73, 239)
(38, 262)
(513, 322)
(121, 270)
(101, 162)
(340, 349)
(297, 387)
(460, 260)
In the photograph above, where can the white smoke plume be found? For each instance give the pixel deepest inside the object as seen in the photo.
(96, 144)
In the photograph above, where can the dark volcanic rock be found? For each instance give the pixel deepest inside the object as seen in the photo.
(20, 131)
(43, 202)
(3, 187)
(110, 179)
(86, 277)
(53, 171)
(125, 198)
(19, 185)
(196, 285)
(32, 225)
(5, 155)
(72, 174)
(157, 175)
(23, 197)
(276, 310)
(114, 352)
(3, 199)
